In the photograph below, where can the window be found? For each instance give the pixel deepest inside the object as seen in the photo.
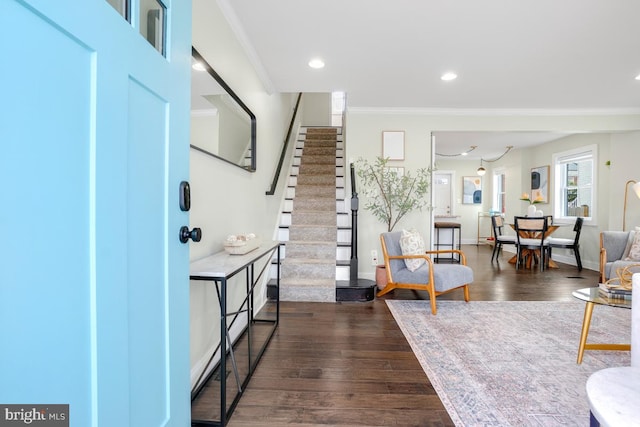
(152, 20)
(337, 108)
(499, 191)
(153, 23)
(575, 178)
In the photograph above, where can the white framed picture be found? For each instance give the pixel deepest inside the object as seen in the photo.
(393, 144)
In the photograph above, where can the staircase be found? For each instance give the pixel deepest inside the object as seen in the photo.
(315, 224)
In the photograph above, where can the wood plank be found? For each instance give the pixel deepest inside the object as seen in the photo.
(348, 364)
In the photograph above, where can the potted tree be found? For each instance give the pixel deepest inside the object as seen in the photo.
(390, 195)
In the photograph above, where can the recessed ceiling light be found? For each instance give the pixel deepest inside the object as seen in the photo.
(449, 76)
(198, 66)
(638, 77)
(316, 63)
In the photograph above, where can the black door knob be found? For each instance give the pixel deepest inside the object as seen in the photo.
(185, 234)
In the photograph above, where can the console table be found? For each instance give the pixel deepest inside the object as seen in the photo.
(219, 268)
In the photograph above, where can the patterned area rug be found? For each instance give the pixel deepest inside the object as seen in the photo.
(511, 363)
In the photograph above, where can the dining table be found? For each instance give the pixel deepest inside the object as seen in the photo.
(535, 252)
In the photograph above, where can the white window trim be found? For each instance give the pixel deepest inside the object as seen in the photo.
(557, 184)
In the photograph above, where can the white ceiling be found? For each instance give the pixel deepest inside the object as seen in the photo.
(569, 55)
(489, 145)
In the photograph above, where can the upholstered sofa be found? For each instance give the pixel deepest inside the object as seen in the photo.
(615, 247)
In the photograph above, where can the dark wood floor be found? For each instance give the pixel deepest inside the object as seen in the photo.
(348, 364)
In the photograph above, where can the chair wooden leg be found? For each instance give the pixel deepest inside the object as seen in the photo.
(386, 290)
(432, 299)
(466, 293)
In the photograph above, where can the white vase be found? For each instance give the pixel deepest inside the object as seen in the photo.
(531, 210)
(539, 213)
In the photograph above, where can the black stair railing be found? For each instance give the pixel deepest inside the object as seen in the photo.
(271, 191)
(353, 264)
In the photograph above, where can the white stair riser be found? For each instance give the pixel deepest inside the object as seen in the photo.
(343, 253)
(344, 235)
(344, 220)
(283, 234)
(342, 273)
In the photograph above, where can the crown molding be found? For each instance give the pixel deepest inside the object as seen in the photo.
(247, 46)
(495, 111)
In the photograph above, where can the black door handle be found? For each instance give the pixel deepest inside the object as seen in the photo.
(185, 234)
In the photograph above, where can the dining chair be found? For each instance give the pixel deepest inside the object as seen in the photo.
(497, 223)
(530, 241)
(573, 244)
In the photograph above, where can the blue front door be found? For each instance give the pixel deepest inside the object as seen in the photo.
(94, 130)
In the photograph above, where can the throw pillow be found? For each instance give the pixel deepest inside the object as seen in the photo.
(411, 243)
(634, 251)
(630, 239)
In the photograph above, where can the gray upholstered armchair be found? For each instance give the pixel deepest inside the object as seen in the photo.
(436, 279)
(613, 245)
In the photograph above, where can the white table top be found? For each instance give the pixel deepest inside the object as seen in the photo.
(223, 265)
(614, 396)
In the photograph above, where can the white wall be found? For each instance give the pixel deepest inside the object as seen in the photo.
(624, 155)
(227, 199)
(365, 136)
(317, 110)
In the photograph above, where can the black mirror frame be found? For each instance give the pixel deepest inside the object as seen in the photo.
(252, 168)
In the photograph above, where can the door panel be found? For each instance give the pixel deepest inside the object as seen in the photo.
(146, 246)
(442, 192)
(93, 279)
(45, 272)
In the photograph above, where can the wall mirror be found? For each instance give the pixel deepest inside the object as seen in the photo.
(222, 126)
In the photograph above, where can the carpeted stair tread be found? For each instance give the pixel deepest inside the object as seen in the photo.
(313, 232)
(316, 179)
(313, 218)
(308, 282)
(311, 250)
(315, 191)
(317, 169)
(313, 293)
(315, 204)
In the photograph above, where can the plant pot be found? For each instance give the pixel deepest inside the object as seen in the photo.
(381, 276)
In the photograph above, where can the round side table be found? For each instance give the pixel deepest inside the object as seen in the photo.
(592, 297)
(614, 397)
